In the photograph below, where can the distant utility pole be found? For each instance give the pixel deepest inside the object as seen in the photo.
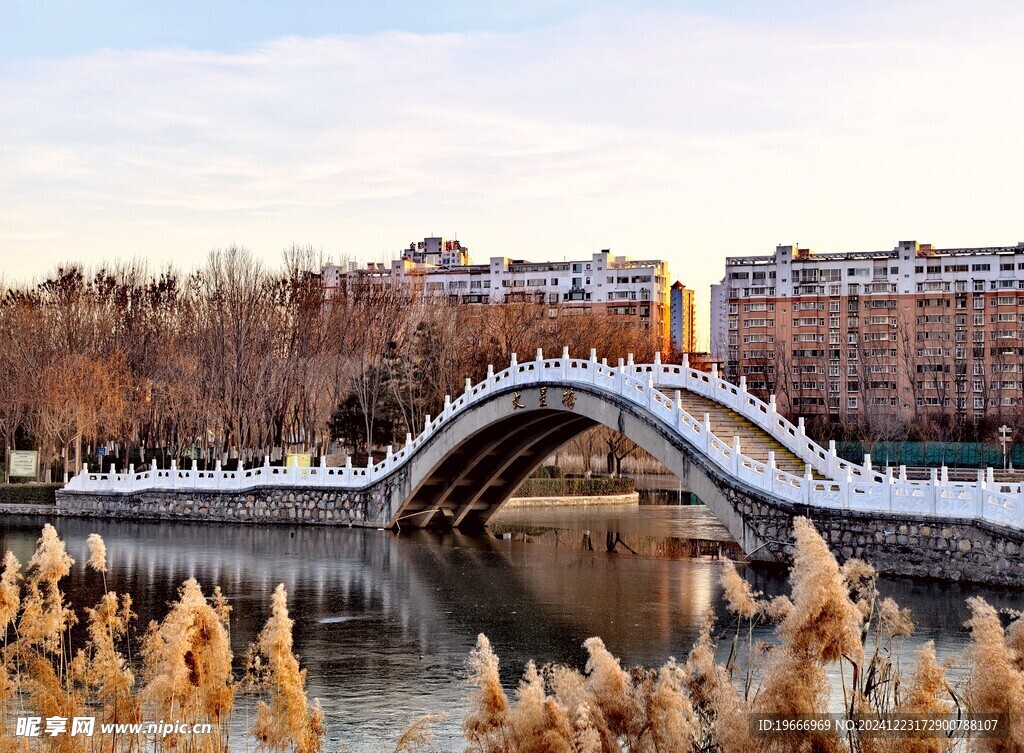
(1004, 439)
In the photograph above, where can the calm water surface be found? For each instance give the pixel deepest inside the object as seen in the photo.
(384, 623)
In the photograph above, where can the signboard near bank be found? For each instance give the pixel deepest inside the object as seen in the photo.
(23, 464)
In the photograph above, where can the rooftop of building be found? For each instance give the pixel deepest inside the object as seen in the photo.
(921, 251)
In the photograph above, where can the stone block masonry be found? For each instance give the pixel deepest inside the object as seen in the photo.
(369, 508)
(918, 547)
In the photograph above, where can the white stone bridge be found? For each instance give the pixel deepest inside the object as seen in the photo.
(752, 467)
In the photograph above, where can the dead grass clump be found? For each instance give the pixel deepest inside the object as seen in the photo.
(187, 661)
(995, 684)
(823, 625)
(186, 665)
(10, 590)
(285, 721)
(104, 670)
(485, 725)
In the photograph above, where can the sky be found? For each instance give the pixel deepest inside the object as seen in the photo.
(688, 131)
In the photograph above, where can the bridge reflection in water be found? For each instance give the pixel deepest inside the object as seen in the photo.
(384, 622)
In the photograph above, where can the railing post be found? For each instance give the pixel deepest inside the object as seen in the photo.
(736, 456)
(808, 478)
(707, 434)
(979, 511)
(846, 489)
(490, 372)
(619, 380)
(933, 486)
(743, 384)
(888, 487)
(593, 355)
(903, 475)
(867, 461)
(772, 406)
(408, 439)
(685, 370)
(565, 361)
(540, 354)
(217, 474)
(174, 472)
(771, 471)
(447, 405)
(990, 476)
(426, 424)
(348, 469)
(800, 426)
(650, 391)
(944, 474)
(469, 385)
(657, 364)
(831, 457)
(629, 362)
(514, 368)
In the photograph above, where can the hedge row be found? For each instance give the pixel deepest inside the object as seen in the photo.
(29, 494)
(575, 487)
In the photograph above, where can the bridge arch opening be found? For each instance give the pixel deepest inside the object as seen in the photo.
(464, 476)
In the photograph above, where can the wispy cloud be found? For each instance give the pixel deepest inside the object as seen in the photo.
(652, 133)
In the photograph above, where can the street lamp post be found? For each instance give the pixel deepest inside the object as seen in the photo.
(1004, 439)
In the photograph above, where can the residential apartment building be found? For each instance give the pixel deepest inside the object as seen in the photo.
(912, 330)
(603, 283)
(683, 315)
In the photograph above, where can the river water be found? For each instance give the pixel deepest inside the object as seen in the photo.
(384, 622)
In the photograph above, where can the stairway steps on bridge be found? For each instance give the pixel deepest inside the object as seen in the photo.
(726, 423)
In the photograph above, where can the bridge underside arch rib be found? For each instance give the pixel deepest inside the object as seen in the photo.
(469, 484)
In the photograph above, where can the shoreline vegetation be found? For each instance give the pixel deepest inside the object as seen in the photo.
(182, 668)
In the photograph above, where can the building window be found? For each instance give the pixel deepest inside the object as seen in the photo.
(851, 402)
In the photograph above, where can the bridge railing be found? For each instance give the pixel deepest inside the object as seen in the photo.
(848, 485)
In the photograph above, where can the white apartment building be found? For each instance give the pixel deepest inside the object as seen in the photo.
(615, 285)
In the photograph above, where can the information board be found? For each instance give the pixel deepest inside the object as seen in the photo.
(23, 464)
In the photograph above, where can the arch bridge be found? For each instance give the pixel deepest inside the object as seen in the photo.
(737, 453)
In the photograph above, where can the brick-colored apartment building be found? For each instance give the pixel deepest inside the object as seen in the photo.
(915, 330)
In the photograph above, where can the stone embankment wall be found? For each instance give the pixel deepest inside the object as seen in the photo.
(948, 549)
(369, 508)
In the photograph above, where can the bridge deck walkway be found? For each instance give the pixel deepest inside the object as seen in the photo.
(726, 423)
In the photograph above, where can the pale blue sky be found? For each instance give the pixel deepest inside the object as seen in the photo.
(45, 28)
(687, 131)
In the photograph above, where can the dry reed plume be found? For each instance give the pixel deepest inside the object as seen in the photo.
(834, 619)
(186, 665)
(287, 721)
